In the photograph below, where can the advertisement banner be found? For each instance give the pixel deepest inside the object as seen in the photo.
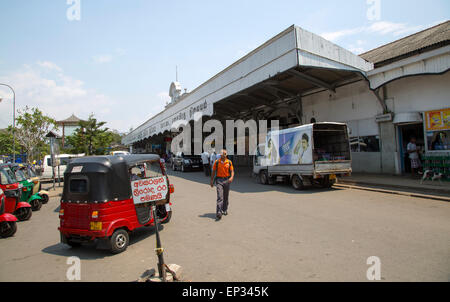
(149, 189)
(295, 148)
(437, 120)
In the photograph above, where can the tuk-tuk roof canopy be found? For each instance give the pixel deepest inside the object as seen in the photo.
(108, 177)
(114, 160)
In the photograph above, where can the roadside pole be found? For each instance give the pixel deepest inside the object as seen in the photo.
(159, 249)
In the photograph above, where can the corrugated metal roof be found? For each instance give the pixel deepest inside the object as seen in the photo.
(435, 36)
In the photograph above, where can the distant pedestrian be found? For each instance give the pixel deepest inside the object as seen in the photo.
(413, 152)
(205, 161)
(212, 158)
(222, 177)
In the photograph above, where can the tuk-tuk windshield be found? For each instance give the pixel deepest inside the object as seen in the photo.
(31, 173)
(20, 176)
(149, 169)
(6, 176)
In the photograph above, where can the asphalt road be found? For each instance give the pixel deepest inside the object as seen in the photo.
(273, 233)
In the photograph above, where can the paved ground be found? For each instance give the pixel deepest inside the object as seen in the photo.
(273, 233)
(405, 183)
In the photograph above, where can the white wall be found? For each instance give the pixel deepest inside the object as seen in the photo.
(420, 93)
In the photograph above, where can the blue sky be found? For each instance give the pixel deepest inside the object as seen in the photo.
(119, 59)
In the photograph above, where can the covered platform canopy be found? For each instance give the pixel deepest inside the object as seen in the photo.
(276, 75)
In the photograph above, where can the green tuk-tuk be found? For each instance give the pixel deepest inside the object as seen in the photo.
(35, 200)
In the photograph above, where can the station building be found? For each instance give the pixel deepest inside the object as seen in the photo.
(386, 95)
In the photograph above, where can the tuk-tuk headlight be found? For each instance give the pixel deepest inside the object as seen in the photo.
(61, 212)
(95, 214)
(96, 226)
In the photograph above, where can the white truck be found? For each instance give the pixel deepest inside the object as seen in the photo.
(308, 155)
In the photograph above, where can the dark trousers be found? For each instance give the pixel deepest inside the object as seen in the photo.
(223, 190)
(207, 169)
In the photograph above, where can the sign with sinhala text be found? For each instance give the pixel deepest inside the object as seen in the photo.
(149, 189)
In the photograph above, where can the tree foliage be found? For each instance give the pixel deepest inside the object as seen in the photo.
(6, 142)
(91, 137)
(31, 128)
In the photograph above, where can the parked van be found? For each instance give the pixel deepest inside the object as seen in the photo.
(64, 159)
(307, 155)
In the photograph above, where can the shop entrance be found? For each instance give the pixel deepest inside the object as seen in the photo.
(405, 132)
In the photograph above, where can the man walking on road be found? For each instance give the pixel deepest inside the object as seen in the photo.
(223, 175)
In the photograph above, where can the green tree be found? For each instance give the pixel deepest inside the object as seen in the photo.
(91, 137)
(6, 142)
(32, 127)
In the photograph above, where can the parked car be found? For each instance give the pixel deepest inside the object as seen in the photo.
(185, 163)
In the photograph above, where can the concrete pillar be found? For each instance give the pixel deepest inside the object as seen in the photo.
(388, 138)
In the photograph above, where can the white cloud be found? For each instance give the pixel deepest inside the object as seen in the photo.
(336, 35)
(49, 65)
(380, 28)
(55, 93)
(105, 58)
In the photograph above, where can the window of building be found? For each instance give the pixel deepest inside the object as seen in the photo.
(438, 140)
(365, 143)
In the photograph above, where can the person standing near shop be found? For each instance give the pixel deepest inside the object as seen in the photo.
(222, 175)
(413, 152)
(205, 161)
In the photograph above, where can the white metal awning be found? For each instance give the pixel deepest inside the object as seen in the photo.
(310, 60)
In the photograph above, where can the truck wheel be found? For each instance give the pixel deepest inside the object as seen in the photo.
(119, 241)
(263, 177)
(8, 229)
(326, 182)
(297, 183)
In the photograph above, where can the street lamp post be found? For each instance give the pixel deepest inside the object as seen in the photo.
(14, 120)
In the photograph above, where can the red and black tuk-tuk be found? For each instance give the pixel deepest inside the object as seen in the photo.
(13, 193)
(8, 226)
(107, 197)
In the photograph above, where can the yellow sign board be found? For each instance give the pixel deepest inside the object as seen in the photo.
(437, 120)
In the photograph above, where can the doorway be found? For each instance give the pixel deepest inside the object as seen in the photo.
(405, 132)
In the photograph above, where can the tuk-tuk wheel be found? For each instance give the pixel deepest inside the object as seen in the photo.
(8, 229)
(23, 214)
(73, 244)
(36, 205)
(119, 241)
(44, 198)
